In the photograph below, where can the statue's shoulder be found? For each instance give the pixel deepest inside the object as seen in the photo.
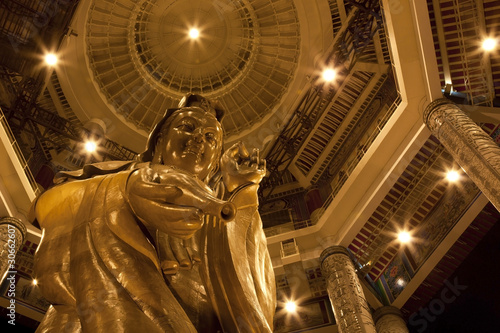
(57, 204)
(69, 189)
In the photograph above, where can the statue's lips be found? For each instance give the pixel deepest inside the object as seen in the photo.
(194, 150)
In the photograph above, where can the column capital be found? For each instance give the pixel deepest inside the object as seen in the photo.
(469, 145)
(386, 310)
(15, 222)
(434, 106)
(335, 249)
(12, 235)
(435, 103)
(388, 319)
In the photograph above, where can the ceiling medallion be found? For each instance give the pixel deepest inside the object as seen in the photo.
(144, 61)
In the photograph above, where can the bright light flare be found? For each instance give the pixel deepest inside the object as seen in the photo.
(404, 237)
(90, 146)
(50, 59)
(452, 176)
(329, 74)
(34, 282)
(290, 306)
(400, 282)
(194, 33)
(489, 44)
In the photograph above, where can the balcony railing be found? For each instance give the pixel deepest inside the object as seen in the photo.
(19, 154)
(348, 169)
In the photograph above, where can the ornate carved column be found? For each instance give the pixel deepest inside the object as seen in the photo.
(12, 233)
(469, 145)
(388, 319)
(346, 294)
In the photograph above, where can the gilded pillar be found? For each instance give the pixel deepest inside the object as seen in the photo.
(12, 233)
(469, 145)
(350, 308)
(388, 319)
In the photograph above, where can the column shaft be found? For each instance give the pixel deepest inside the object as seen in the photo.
(469, 145)
(12, 234)
(388, 319)
(350, 308)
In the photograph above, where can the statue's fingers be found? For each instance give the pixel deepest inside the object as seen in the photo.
(233, 151)
(169, 267)
(180, 253)
(262, 164)
(168, 262)
(254, 159)
(147, 174)
(153, 191)
(242, 150)
(190, 246)
(160, 169)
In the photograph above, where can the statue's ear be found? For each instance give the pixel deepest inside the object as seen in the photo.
(215, 175)
(157, 154)
(158, 139)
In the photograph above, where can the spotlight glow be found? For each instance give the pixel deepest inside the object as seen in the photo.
(50, 59)
(400, 282)
(90, 146)
(194, 33)
(34, 282)
(290, 306)
(329, 75)
(489, 44)
(404, 237)
(452, 176)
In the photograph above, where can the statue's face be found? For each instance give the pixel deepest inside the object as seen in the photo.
(191, 142)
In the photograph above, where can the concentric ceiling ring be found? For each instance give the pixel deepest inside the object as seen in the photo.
(144, 62)
(181, 64)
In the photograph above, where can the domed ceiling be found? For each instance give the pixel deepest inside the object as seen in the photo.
(144, 61)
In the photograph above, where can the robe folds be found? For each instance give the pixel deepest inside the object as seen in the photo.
(99, 265)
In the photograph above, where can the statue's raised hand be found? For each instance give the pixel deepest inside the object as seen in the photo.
(173, 201)
(239, 167)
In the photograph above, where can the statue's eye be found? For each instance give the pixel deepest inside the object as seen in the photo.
(210, 137)
(186, 126)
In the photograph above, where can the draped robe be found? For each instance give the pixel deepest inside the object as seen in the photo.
(99, 266)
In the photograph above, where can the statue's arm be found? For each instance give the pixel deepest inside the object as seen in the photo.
(172, 201)
(57, 206)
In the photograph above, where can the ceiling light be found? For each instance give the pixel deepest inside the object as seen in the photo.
(404, 237)
(34, 282)
(329, 75)
(489, 44)
(50, 59)
(452, 176)
(400, 282)
(194, 33)
(290, 306)
(90, 146)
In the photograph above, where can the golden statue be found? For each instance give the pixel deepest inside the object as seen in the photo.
(172, 242)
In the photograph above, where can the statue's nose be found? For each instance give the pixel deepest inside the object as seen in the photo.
(198, 135)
